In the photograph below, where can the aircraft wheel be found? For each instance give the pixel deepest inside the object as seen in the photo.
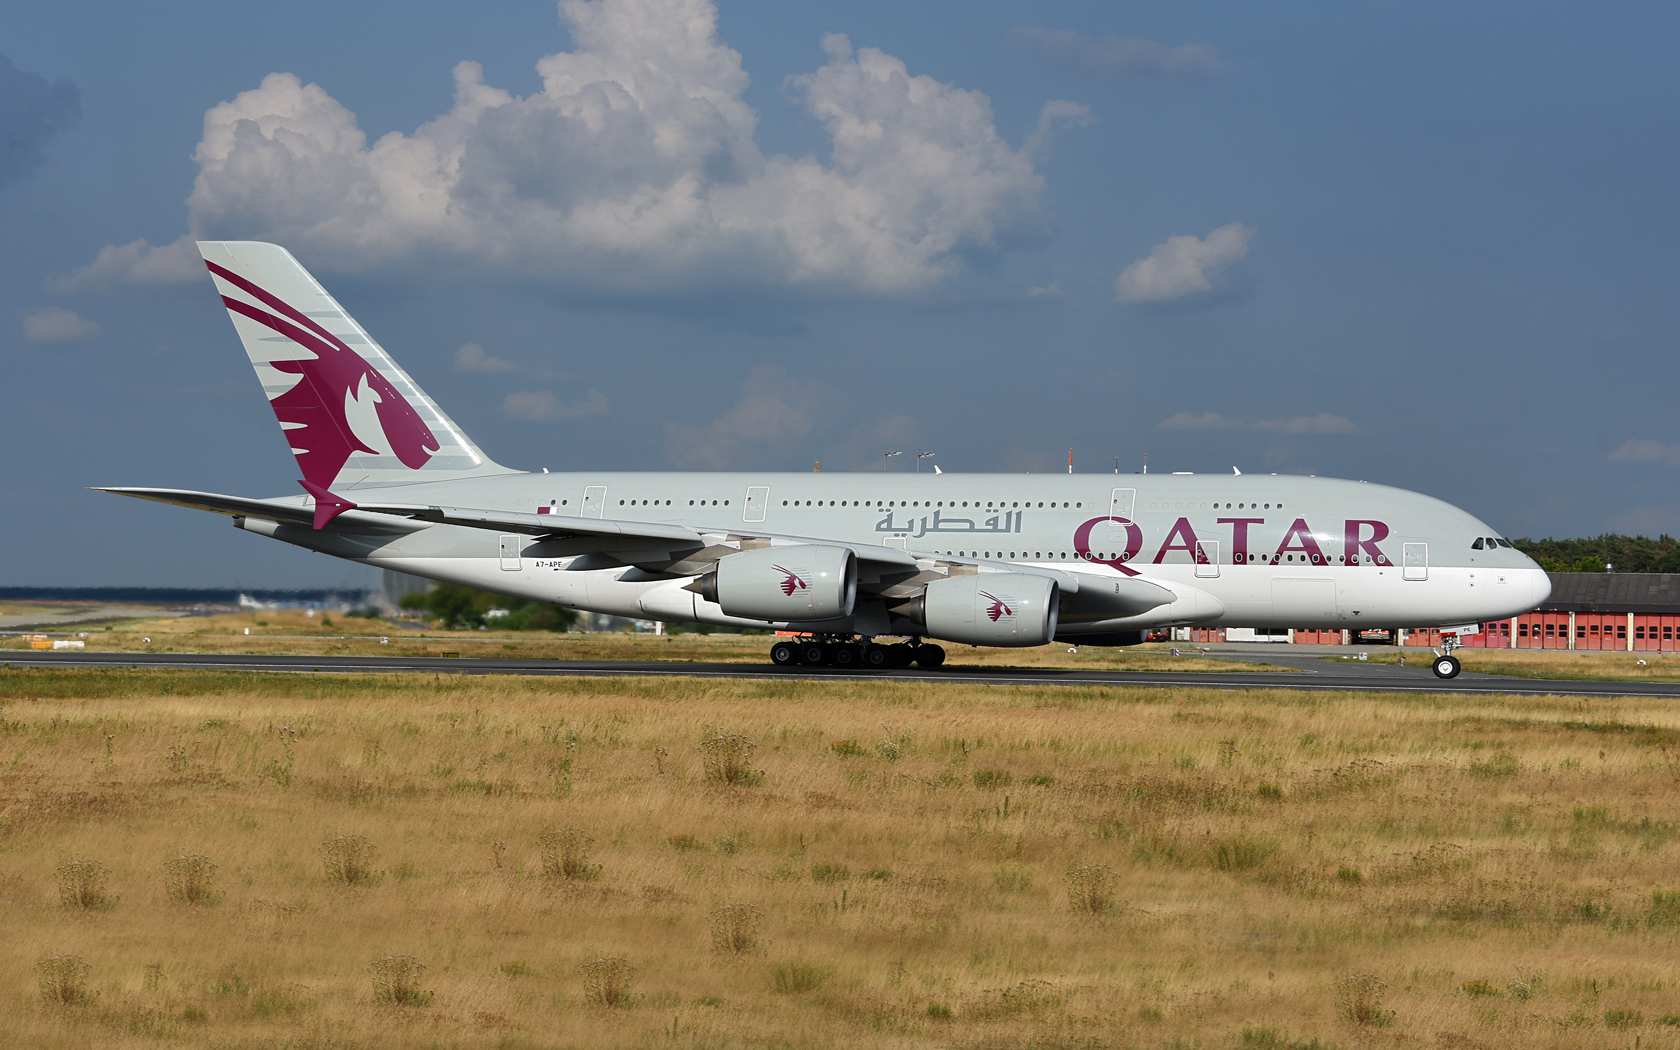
(784, 654)
(1445, 667)
(930, 656)
(845, 656)
(902, 655)
(877, 656)
(813, 654)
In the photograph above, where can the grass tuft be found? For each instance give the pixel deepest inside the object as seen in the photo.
(606, 981)
(348, 859)
(190, 879)
(735, 928)
(565, 854)
(81, 884)
(63, 979)
(797, 975)
(1359, 1000)
(727, 759)
(396, 980)
(1242, 852)
(1091, 889)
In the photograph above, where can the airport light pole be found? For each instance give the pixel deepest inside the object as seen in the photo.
(885, 458)
(919, 457)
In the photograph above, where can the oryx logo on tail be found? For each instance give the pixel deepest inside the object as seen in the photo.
(999, 607)
(340, 405)
(791, 581)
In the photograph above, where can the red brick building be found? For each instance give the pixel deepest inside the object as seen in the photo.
(1630, 612)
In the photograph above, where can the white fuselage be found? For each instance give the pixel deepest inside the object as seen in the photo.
(1248, 550)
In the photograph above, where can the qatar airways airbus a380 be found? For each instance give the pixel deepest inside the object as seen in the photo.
(839, 559)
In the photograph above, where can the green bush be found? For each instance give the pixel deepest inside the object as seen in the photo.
(467, 607)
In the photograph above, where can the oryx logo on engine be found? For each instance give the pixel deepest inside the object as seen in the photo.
(999, 607)
(791, 581)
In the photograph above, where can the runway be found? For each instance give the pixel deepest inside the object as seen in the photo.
(1310, 672)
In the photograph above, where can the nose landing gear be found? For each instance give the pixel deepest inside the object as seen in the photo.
(848, 653)
(1446, 664)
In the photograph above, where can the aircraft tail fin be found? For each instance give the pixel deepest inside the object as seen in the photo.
(352, 416)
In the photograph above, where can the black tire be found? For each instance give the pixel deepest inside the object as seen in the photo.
(930, 656)
(846, 656)
(877, 656)
(903, 655)
(784, 654)
(1445, 667)
(814, 654)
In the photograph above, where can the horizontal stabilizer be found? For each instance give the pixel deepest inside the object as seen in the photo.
(294, 510)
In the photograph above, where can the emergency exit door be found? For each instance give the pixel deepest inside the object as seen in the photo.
(1120, 503)
(1207, 558)
(594, 501)
(1414, 561)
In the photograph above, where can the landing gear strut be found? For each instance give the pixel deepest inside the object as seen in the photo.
(850, 653)
(1446, 664)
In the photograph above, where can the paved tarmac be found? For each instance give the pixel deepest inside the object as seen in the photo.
(1313, 672)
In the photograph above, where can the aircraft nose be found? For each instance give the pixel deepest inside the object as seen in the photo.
(1540, 587)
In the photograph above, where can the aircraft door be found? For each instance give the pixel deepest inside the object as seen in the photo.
(594, 501)
(758, 498)
(1414, 560)
(510, 553)
(1120, 503)
(1207, 559)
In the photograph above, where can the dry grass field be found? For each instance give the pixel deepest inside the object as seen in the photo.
(249, 861)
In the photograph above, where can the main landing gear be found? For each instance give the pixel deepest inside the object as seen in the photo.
(1446, 664)
(853, 654)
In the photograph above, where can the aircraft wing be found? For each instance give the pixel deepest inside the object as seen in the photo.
(704, 547)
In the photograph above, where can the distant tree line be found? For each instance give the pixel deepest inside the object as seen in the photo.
(1625, 553)
(469, 607)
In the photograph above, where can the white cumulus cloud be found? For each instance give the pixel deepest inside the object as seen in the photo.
(541, 406)
(1191, 421)
(473, 358)
(1183, 265)
(1323, 423)
(57, 325)
(774, 410)
(1644, 450)
(633, 170)
(1113, 55)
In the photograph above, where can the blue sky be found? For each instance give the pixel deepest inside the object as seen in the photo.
(1431, 245)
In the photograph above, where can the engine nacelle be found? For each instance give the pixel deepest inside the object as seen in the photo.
(801, 582)
(995, 608)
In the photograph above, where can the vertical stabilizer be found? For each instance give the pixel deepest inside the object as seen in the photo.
(351, 415)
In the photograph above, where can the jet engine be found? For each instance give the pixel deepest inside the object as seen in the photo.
(800, 582)
(998, 608)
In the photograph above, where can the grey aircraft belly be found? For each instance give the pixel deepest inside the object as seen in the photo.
(982, 559)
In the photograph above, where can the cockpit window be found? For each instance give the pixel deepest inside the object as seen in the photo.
(1477, 545)
(1505, 543)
